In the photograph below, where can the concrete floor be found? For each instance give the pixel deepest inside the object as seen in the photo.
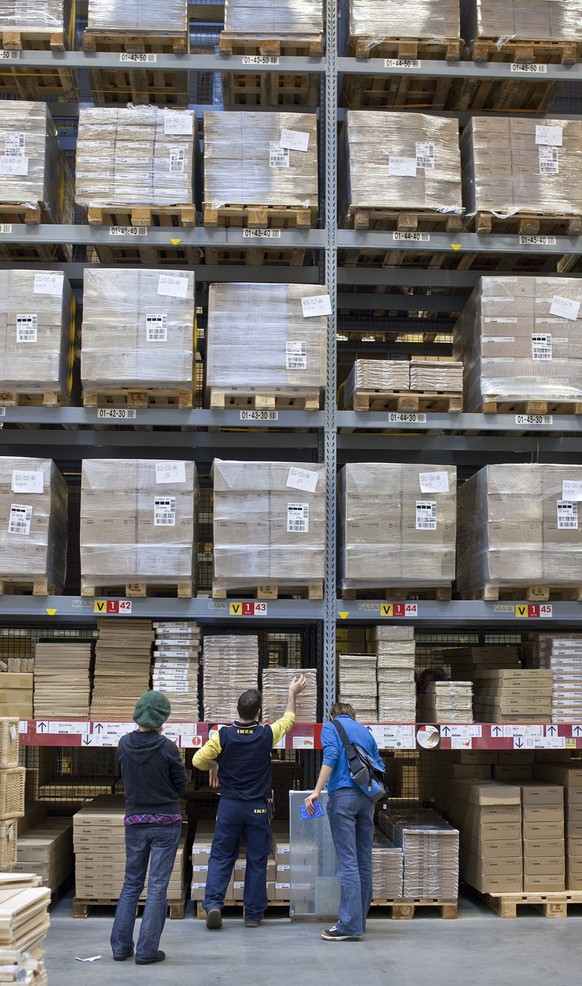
(478, 949)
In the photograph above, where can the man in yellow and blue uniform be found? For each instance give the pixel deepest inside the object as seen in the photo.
(238, 759)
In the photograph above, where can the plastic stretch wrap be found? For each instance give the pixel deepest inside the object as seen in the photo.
(525, 20)
(376, 374)
(35, 15)
(259, 337)
(275, 17)
(139, 155)
(137, 521)
(399, 161)
(379, 20)
(35, 332)
(32, 166)
(244, 163)
(138, 329)
(397, 524)
(520, 338)
(431, 851)
(512, 165)
(519, 526)
(275, 692)
(136, 15)
(33, 525)
(269, 523)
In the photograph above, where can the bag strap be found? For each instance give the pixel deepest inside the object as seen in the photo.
(342, 733)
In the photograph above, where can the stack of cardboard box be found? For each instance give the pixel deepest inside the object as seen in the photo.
(523, 20)
(122, 667)
(563, 656)
(200, 856)
(358, 685)
(230, 666)
(133, 16)
(569, 775)
(430, 848)
(395, 657)
(387, 869)
(176, 666)
(62, 684)
(490, 819)
(32, 165)
(47, 850)
(544, 865)
(512, 696)
(275, 692)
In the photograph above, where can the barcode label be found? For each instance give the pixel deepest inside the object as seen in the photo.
(9, 56)
(530, 68)
(259, 415)
(5, 227)
(260, 60)
(128, 231)
(567, 515)
(549, 160)
(418, 237)
(537, 240)
(297, 518)
(19, 519)
(264, 233)
(426, 515)
(126, 56)
(156, 328)
(296, 355)
(278, 156)
(117, 413)
(14, 143)
(534, 419)
(402, 63)
(164, 511)
(541, 346)
(26, 328)
(425, 156)
(412, 417)
(177, 159)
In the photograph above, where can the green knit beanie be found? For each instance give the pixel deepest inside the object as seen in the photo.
(151, 710)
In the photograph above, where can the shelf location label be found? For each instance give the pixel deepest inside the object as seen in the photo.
(247, 609)
(534, 611)
(398, 609)
(112, 607)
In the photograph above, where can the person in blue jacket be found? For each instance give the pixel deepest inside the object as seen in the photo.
(351, 819)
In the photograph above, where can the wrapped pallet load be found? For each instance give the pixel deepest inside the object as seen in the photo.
(138, 523)
(273, 18)
(135, 16)
(33, 170)
(138, 332)
(521, 20)
(43, 17)
(372, 23)
(269, 524)
(263, 341)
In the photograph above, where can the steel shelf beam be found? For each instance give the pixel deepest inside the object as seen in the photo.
(197, 418)
(163, 62)
(466, 422)
(457, 243)
(520, 614)
(58, 609)
(164, 236)
(486, 71)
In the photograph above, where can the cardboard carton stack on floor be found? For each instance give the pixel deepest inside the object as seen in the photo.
(62, 683)
(395, 654)
(176, 667)
(282, 856)
(387, 869)
(514, 766)
(230, 666)
(563, 656)
(122, 667)
(569, 776)
(430, 848)
(275, 692)
(47, 850)
(200, 856)
(32, 166)
(512, 696)
(357, 680)
(544, 864)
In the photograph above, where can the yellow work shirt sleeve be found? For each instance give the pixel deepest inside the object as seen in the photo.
(210, 751)
(282, 726)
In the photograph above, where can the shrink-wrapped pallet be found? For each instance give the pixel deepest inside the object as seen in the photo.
(38, 16)
(35, 332)
(269, 523)
(519, 526)
(397, 525)
(33, 521)
(273, 18)
(135, 155)
(137, 522)
(515, 165)
(399, 161)
(259, 337)
(33, 170)
(260, 159)
(524, 20)
(135, 15)
(138, 329)
(377, 21)
(520, 339)
(383, 375)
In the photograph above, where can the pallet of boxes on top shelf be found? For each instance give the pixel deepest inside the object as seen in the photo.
(38, 25)
(139, 32)
(266, 30)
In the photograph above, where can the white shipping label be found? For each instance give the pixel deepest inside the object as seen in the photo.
(170, 472)
(177, 160)
(173, 285)
(565, 307)
(13, 165)
(572, 490)
(434, 482)
(278, 156)
(14, 144)
(402, 166)
(302, 479)
(296, 355)
(425, 156)
(541, 346)
(297, 518)
(549, 161)
(550, 136)
(164, 511)
(27, 481)
(178, 124)
(426, 515)
(45, 283)
(19, 519)
(567, 515)
(156, 328)
(26, 328)
(318, 305)
(296, 140)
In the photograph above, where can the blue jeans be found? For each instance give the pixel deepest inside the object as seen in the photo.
(351, 819)
(233, 819)
(156, 844)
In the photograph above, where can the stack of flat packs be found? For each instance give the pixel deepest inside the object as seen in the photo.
(513, 696)
(62, 680)
(446, 701)
(430, 375)
(133, 16)
(357, 684)
(383, 375)
(176, 666)
(122, 667)
(231, 665)
(275, 692)
(395, 652)
(465, 662)
(563, 656)
(24, 920)
(431, 852)
(47, 850)
(387, 869)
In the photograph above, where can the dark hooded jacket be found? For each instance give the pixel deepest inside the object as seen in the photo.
(153, 774)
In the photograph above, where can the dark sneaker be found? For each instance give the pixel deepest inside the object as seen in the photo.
(158, 957)
(252, 922)
(334, 934)
(213, 919)
(122, 958)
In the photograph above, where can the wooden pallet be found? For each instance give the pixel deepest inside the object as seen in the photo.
(404, 401)
(399, 593)
(30, 214)
(140, 86)
(491, 406)
(524, 93)
(314, 590)
(38, 83)
(34, 40)
(28, 587)
(398, 92)
(135, 42)
(134, 253)
(404, 910)
(232, 43)
(142, 215)
(537, 593)
(252, 88)
(519, 263)
(416, 220)
(445, 49)
(156, 397)
(289, 400)
(139, 590)
(258, 256)
(82, 907)
(257, 216)
(516, 50)
(526, 223)
(47, 399)
(551, 905)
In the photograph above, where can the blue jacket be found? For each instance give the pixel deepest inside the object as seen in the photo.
(334, 754)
